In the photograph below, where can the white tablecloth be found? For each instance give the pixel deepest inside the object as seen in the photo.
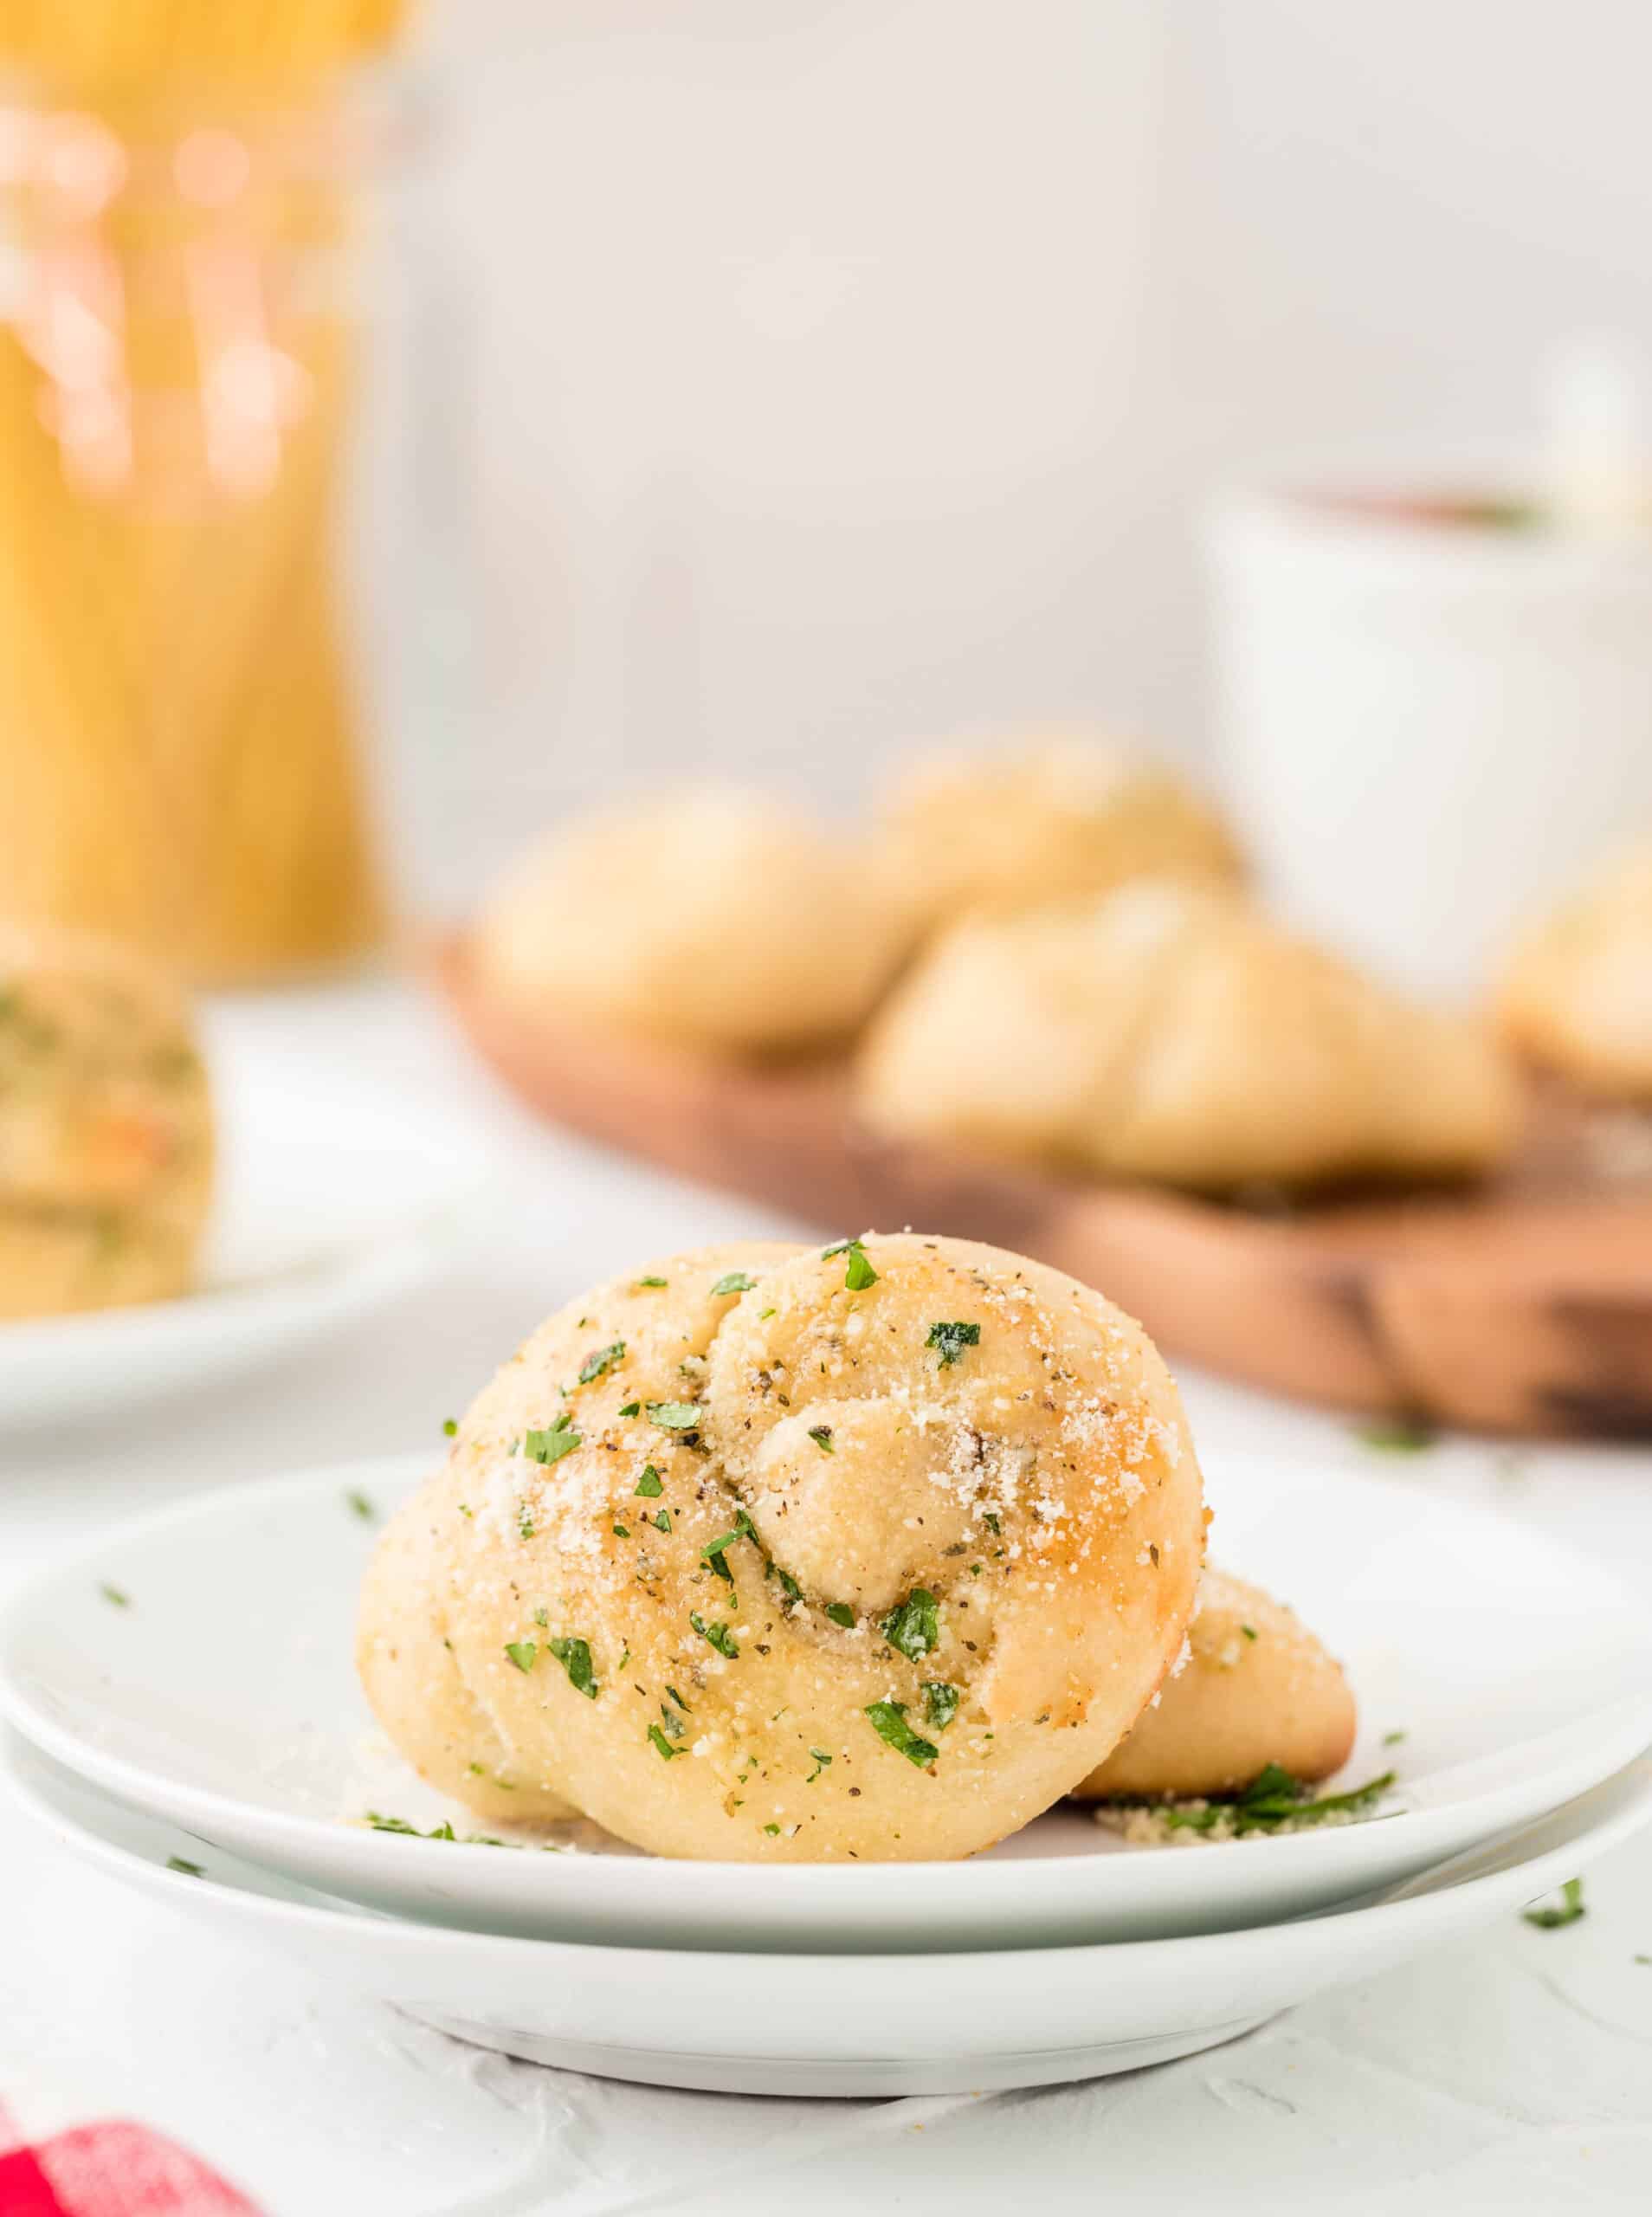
(1511, 2073)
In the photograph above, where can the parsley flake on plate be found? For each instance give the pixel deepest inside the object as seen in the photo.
(451, 1427)
(116, 1597)
(1397, 1435)
(1273, 1799)
(888, 1719)
(360, 1505)
(189, 1869)
(1551, 1918)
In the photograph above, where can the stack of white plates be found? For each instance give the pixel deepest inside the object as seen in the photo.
(185, 1716)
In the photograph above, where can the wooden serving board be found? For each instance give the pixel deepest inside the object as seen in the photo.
(1523, 1306)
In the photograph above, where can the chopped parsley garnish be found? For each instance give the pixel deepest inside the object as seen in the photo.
(674, 1416)
(763, 1314)
(680, 1703)
(951, 1340)
(604, 1359)
(841, 1613)
(735, 1282)
(524, 1524)
(789, 1585)
(190, 1870)
(359, 1505)
(574, 1655)
(821, 1436)
(940, 1703)
(714, 1550)
(1393, 1739)
(449, 1427)
(522, 1653)
(660, 1520)
(542, 1618)
(823, 1761)
(1274, 1797)
(630, 1408)
(116, 1596)
(720, 1635)
(1398, 1435)
(773, 1831)
(858, 1273)
(671, 1724)
(1250, 1630)
(651, 1280)
(443, 1831)
(1567, 1911)
(992, 1521)
(914, 1627)
(551, 1444)
(661, 1743)
(888, 1720)
(650, 1485)
(622, 1531)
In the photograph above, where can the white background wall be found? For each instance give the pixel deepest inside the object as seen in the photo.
(854, 370)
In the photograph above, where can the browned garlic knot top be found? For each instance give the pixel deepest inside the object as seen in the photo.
(767, 1552)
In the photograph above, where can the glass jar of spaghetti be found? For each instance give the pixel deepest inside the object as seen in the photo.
(188, 300)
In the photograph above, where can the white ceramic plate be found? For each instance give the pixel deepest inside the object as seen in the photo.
(854, 2024)
(223, 1697)
(333, 1197)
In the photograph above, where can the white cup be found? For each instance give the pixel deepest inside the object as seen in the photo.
(1428, 729)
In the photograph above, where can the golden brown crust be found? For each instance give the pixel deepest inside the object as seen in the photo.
(1056, 818)
(1169, 1031)
(995, 1553)
(1256, 1687)
(1577, 995)
(720, 921)
(106, 1127)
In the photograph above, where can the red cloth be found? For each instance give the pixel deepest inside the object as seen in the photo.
(110, 2169)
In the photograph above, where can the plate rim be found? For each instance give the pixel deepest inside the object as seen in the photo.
(793, 1886)
(1302, 1935)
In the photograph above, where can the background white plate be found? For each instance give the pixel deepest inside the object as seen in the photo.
(851, 2024)
(333, 1197)
(223, 1697)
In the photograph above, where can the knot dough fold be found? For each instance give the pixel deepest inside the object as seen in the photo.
(1577, 995)
(874, 1554)
(1169, 1031)
(1256, 1688)
(105, 1126)
(1053, 818)
(716, 921)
